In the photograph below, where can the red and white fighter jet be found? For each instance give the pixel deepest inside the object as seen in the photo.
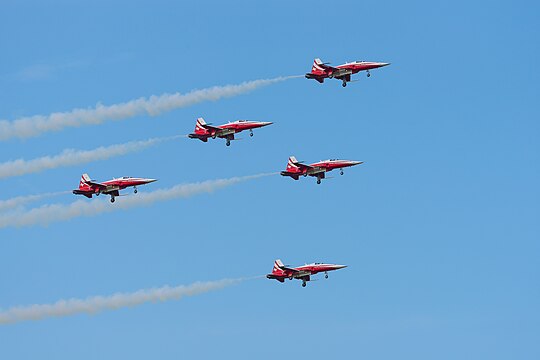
(321, 71)
(112, 187)
(203, 131)
(296, 168)
(281, 272)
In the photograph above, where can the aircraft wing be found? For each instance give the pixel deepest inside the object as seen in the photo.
(328, 67)
(303, 166)
(289, 269)
(210, 127)
(99, 185)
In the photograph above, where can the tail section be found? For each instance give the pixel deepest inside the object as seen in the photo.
(83, 184)
(201, 132)
(84, 187)
(277, 267)
(200, 126)
(292, 170)
(291, 165)
(318, 71)
(317, 67)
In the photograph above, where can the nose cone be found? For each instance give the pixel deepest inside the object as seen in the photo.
(354, 163)
(265, 123)
(148, 181)
(381, 64)
(337, 267)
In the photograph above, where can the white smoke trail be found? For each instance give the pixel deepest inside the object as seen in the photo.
(61, 212)
(21, 200)
(154, 105)
(96, 304)
(71, 157)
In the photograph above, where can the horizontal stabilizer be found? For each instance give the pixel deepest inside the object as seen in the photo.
(295, 176)
(84, 193)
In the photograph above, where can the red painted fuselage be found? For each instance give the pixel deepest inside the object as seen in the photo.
(321, 71)
(295, 168)
(281, 272)
(204, 131)
(88, 187)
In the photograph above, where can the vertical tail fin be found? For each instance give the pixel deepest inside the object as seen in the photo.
(277, 266)
(291, 165)
(317, 66)
(199, 125)
(85, 179)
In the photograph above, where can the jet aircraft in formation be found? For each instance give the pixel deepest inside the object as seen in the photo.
(321, 71)
(88, 187)
(203, 131)
(281, 272)
(296, 168)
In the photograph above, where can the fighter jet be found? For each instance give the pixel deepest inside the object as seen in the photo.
(281, 272)
(321, 71)
(112, 187)
(296, 168)
(203, 131)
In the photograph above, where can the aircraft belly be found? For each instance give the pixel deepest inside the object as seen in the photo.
(342, 73)
(301, 274)
(110, 189)
(227, 132)
(315, 171)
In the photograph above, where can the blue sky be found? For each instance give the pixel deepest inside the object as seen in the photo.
(439, 227)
